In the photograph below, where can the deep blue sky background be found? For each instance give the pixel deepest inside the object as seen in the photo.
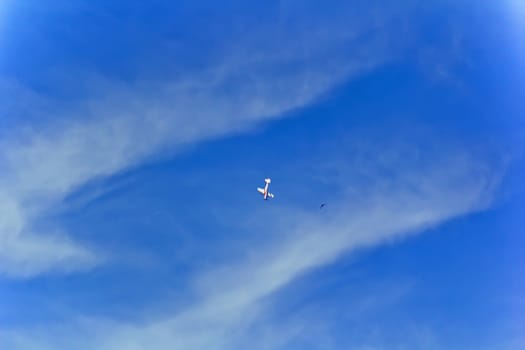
(133, 136)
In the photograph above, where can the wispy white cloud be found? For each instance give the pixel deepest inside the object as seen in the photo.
(117, 126)
(424, 189)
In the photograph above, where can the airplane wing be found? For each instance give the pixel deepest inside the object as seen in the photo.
(270, 195)
(260, 190)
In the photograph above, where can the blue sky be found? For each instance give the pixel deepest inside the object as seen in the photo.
(133, 136)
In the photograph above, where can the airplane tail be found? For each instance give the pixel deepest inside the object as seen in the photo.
(268, 180)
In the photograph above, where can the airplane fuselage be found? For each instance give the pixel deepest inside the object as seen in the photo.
(265, 194)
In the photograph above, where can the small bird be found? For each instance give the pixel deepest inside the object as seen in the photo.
(322, 205)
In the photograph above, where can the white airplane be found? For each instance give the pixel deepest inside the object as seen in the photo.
(264, 191)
